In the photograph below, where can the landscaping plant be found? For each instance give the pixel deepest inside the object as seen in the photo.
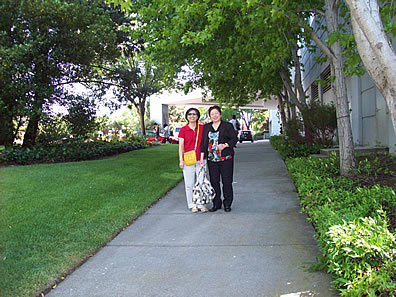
(353, 222)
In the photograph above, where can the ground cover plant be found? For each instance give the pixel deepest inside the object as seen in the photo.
(353, 217)
(71, 150)
(53, 216)
(291, 148)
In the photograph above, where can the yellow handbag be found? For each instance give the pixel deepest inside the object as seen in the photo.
(190, 157)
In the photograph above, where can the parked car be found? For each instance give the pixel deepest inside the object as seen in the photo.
(150, 137)
(245, 135)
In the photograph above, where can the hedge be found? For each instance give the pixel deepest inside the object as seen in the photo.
(351, 226)
(67, 151)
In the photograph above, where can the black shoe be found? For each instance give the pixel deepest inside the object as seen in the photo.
(227, 209)
(214, 208)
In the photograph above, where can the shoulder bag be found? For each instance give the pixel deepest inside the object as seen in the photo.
(190, 157)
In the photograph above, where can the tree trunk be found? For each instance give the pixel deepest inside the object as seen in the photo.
(291, 109)
(375, 50)
(288, 86)
(29, 139)
(140, 107)
(347, 156)
(6, 129)
(297, 77)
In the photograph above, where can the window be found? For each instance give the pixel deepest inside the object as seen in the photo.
(326, 79)
(314, 91)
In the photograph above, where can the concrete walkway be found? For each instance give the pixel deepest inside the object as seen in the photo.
(258, 249)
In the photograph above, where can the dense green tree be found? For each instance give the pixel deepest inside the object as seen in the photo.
(81, 117)
(260, 120)
(45, 45)
(134, 79)
(241, 50)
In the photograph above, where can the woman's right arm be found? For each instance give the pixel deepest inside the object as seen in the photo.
(181, 152)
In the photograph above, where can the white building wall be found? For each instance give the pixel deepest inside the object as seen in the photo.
(274, 122)
(370, 117)
(159, 112)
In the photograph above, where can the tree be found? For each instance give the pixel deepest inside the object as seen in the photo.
(374, 47)
(81, 117)
(333, 51)
(243, 50)
(46, 45)
(260, 120)
(135, 78)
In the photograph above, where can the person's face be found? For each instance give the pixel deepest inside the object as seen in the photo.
(215, 115)
(192, 116)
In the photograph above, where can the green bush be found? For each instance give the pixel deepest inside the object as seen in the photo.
(350, 224)
(258, 136)
(358, 248)
(292, 149)
(320, 122)
(68, 151)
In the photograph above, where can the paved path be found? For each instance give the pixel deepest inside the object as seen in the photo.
(256, 250)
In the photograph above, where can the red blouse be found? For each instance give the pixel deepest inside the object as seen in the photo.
(189, 137)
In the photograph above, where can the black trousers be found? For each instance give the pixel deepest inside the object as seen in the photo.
(225, 170)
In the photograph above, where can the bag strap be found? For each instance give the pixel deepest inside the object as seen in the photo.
(196, 140)
(201, 171)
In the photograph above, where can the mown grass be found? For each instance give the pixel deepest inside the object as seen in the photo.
(54, 216)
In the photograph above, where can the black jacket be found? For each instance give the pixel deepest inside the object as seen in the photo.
(227, 134)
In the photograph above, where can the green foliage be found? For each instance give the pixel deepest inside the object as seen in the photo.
(378, 281)
(41, 52)
(350, 225)
(72, 150)
(260, 120)
(52, 129)
(293, 130)
(81, 117)
(134, 78)
(357, 246)
(231, 47)
(388, 13)
(320, 123)
(292, 149)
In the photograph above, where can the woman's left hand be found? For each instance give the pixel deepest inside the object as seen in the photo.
(221, 146)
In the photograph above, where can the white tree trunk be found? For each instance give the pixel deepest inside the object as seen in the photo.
(347, 152)
(376, 52)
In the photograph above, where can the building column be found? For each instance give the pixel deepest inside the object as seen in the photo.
(355, 101)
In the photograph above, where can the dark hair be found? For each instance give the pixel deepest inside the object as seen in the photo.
(196, 110)
(214, 107)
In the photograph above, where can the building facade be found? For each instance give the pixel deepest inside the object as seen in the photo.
(370, 117)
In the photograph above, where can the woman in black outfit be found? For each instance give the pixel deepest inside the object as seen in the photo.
(217, 146)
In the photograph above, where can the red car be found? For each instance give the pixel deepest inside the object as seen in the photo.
(150, 137)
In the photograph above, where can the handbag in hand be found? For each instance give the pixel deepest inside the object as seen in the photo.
(203, 192)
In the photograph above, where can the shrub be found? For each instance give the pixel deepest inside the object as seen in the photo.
(258, 136)
(350, 224)
(67, 151)
(358, 248)
(292, 149)
(320, 122)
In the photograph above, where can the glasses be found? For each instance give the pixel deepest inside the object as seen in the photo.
(191, 114)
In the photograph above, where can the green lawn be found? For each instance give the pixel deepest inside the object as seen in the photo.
(53, 216)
